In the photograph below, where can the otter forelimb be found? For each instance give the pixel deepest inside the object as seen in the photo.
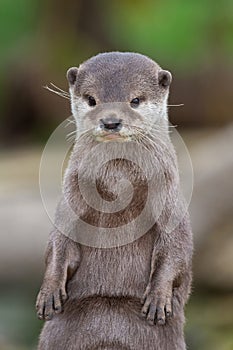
(62, 259)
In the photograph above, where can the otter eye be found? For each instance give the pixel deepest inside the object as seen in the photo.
(135, 102)
(91, 101)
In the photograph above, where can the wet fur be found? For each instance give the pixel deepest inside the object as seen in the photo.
(110, 295)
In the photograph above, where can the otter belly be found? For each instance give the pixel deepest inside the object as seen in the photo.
(121, 271)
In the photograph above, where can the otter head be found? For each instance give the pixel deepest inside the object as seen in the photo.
(119, 96)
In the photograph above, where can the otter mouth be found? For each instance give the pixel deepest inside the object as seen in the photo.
(112, 136)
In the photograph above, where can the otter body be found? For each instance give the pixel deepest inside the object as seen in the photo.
(114, 295)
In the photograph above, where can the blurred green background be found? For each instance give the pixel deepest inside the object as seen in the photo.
(39, 41)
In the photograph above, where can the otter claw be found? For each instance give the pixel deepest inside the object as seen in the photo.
(50, 303)
(157, 310)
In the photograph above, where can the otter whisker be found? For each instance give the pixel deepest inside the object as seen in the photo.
(70, 121)
(142, 136)
(71, 139)
(157, 128)
(71, 136)
(62, 94)
(81, 134)
(155, 142)
(71, 133)
(172, 126)
(138, 130)
(63, 91)
(179, 105)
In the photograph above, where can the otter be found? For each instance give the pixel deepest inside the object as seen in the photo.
(113, 281)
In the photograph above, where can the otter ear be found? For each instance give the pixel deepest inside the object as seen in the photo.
(165, 78)
(72, 75)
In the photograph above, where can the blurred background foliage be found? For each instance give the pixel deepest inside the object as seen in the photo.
(39, 41)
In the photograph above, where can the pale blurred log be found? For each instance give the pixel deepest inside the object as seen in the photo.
(212, 200)
(212, 209)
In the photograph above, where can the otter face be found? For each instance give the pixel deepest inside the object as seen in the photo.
(118, 96)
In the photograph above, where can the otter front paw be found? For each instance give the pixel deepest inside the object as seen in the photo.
(50, 301)
(157, 307)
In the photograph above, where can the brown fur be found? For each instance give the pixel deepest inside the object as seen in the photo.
(132, 296)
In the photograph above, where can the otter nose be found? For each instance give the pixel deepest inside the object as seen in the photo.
(113, 124)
